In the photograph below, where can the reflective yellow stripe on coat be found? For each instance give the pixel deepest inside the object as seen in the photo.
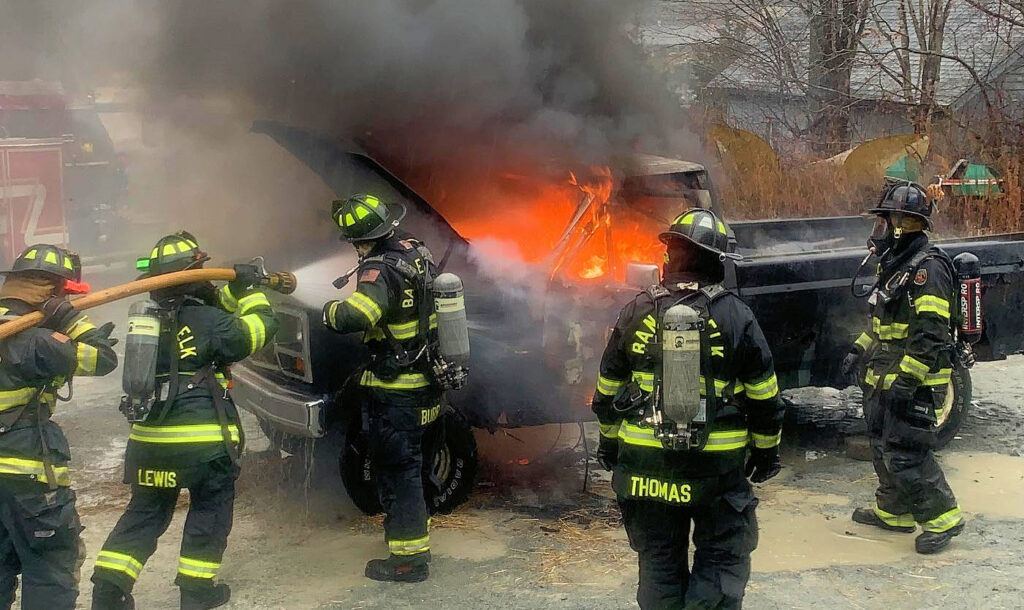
(763, 390)
(366, 306)
(932, 304)
(200, 433)
(87, 357)
(10, 399)
(251, 301)
(407, 330)
(405, 381)
(609, 387)
(721, 440)
(80, 326)
(34, 469)
(257, 332)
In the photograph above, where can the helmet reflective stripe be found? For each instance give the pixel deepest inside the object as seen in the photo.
(699, 226)
(365, 217)
(47, 258)
(176, 252)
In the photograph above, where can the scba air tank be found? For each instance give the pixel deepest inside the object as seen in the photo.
(968, 274)
(141, 348)
(452, 325)
(680, 373)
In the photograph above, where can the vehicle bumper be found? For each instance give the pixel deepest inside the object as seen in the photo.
(286, 409)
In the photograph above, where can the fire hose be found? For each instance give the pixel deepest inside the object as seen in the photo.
(280, 281)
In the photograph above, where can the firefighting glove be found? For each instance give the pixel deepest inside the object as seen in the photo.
(851, 365)
(58, 314)
(607, 452)
(763, 464)
(246, 276)
(901, 400)
(103, 335)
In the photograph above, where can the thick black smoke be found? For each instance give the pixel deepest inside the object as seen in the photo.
(432, 86)
(447, 93)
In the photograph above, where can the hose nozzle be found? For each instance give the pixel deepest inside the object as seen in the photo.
(281, 281)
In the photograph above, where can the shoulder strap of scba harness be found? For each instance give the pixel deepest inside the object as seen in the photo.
(42, 413)
(700, 300)
(423, 281)
(207, 376)
(926, 254)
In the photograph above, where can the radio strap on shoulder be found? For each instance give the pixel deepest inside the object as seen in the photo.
(173, 381)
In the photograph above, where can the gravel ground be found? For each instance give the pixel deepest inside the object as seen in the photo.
(531, 538)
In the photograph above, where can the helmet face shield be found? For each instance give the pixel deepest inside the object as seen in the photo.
(881, 227)
(881, 239)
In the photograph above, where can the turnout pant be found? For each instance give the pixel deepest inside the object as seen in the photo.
(911, 485)
(40, 538)
(396, 449)
(149, 513)
(724, 536)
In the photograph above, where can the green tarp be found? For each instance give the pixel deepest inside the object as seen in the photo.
(905, 169)
(988, 185)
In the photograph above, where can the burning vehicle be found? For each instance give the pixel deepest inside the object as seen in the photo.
(538, 325)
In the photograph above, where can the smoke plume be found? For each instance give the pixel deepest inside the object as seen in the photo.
(447, 93)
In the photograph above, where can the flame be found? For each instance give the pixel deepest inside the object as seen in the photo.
(535, 222)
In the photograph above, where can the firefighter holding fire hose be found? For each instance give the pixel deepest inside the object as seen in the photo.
(907, 355)
(39, 526)
(411, 363)
(686, 386)
(188, 436)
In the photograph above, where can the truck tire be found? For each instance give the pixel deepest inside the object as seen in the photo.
(958, 403)
(446, 486)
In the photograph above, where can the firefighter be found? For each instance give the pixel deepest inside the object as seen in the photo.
(192, 437)
(39, 526)
(391, 307)
(661, 490)
(907, 354)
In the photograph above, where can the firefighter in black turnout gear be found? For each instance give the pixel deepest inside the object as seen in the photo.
(663, 481)
(392, 307)
(191, 439)
(907, 355)
(39, 526)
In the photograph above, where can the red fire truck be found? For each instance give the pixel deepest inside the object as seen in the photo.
(58, 172)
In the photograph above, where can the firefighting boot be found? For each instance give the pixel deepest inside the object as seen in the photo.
(399, 569)
(108, 596)
(205, 597)
(933, 542)
(868, 516)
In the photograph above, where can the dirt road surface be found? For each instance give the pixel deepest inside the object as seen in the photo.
(531, 538)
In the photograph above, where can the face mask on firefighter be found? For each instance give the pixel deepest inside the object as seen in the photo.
(883, 235)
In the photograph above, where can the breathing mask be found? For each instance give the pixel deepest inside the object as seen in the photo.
(884, 235)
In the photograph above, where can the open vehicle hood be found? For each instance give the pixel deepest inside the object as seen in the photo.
(332, 159)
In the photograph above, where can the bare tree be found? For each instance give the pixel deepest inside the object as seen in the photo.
(836, 27)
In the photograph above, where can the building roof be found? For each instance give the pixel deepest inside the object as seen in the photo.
(970, 34)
